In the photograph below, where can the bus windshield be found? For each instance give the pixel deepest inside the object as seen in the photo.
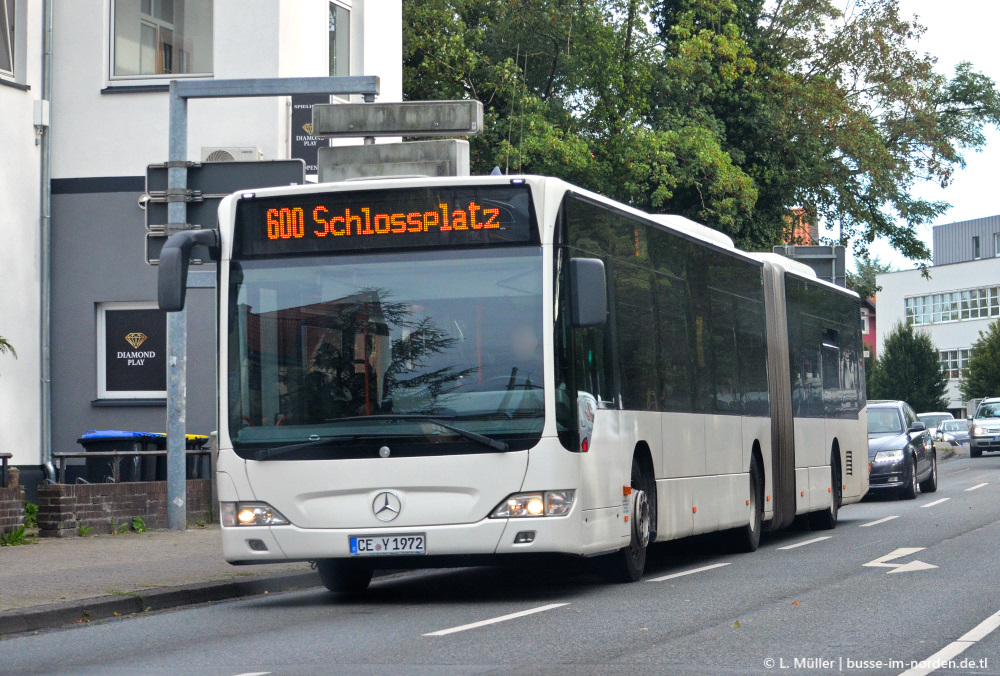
(366, 350)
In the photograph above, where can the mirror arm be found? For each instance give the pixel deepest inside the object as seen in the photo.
(171, 283)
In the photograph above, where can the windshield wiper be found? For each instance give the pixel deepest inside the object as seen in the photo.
(282, 450)
(472, 436)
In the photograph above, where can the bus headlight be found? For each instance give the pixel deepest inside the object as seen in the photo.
(251, 514)
(547, 503)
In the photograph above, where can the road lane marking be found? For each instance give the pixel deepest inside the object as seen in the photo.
(686, 572)
(877, 522)
(972, 488)
(896, 554)
(807, 542)
(504, 618)
(955, 648)
(255, 673)
(936, 502)
(883, 561)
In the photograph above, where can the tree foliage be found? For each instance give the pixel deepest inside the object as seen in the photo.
(981, 376)
(864, 280)
(909, 369)
(732, 112)
(6, 347)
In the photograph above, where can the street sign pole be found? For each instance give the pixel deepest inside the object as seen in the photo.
(177, 324)
(180, 92)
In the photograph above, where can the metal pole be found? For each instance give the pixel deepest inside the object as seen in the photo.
(45, 262)
(177, 328)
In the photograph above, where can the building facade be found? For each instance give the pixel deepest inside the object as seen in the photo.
(111, 64)
(958, 299)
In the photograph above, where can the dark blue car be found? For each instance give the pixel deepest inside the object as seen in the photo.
(900, 450)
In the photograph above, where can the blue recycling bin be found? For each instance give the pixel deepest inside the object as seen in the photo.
(100, 470)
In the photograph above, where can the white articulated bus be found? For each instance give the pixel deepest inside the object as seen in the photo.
(421, 372)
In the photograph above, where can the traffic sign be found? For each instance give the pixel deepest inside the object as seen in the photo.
(208, 183)
(408, 118)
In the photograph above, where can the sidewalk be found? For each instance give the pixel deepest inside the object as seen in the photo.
(63, 580)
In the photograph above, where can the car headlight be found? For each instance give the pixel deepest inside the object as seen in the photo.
(888, 456)
(978, 430)
(251, 514)
(542, 503)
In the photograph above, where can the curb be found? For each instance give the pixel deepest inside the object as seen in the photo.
(20, 620)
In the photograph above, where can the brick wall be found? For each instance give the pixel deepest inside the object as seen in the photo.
(11, 508)
(63, 508)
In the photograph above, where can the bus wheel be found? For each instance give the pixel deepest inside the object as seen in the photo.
(747, 538)
(627, 564)
(344, 576)
(827, 519)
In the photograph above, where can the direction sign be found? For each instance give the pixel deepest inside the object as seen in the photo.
(208, 183)
(407, 118)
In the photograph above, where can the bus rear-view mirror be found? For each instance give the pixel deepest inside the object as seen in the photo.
(587, 292)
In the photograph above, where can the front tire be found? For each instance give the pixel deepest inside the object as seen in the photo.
(827, 519)
(909, 491)
(344, 576)
(930, 484)
(975, 452)
(628, 563)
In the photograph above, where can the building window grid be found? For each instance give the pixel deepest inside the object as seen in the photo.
(953, 362)
(157, 39)
(7, 17)
(980, 303)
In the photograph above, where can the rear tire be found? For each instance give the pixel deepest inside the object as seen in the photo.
(344, 576)
(909, 491)
(930, 484)
(747, 538)
(627, 564)
(827, 519)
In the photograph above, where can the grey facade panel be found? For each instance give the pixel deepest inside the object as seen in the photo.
(97, 256)
(953, 242)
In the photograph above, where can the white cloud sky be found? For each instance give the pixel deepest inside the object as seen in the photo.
(959, 30)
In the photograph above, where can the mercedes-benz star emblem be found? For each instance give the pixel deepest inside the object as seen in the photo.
(386, 506)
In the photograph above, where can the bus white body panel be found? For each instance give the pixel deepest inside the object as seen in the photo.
(700, 461)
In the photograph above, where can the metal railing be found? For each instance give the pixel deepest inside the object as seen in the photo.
(116, 458)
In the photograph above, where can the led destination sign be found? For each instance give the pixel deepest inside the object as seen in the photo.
(384, 219)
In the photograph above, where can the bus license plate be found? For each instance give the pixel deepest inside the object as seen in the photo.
(392, 545)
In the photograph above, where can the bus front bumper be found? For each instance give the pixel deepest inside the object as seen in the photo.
(583, 532)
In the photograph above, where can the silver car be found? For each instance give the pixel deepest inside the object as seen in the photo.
(985, 432)
(954, 432)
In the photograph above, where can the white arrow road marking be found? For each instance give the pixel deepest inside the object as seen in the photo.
(911, 566)
(936, 502)
(686, 572)
(504, 618)
(877, 522)
(898, 554)
(975, 487)
(807, 542)
(882, 561)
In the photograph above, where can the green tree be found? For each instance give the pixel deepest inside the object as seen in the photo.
(6, 347)
(981, 376)
(909, 369)
(577, 89)
(864, 279)
(843, 116)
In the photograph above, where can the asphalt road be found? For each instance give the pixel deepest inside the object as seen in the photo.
(805, 602)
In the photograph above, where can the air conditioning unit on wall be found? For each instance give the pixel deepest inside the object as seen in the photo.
(232, 154)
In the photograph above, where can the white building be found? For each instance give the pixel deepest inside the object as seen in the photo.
(108, 109)
(959, 299)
